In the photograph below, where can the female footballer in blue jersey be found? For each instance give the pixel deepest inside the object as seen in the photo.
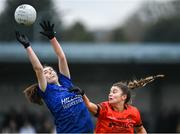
(69, 111)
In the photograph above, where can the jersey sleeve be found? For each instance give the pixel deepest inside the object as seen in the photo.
(65, 81)
(138, 119)
(102, 110)
(44, 93)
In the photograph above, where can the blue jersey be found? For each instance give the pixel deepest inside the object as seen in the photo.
(69, 111)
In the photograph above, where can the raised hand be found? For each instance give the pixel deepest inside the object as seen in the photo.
(23, 39)
(48, 29)
(77, 90)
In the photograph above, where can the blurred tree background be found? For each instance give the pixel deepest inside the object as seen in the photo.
(45, 11)
(154, 21)
(8, 25)
(77, 33)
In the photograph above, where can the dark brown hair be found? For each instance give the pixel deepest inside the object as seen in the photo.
(126, 87)
(32, 95)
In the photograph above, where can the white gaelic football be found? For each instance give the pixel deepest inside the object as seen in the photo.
(25, 14)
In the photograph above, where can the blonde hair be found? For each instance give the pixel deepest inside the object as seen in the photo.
(32, 95)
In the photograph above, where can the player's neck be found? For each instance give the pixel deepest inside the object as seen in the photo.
(119, 107)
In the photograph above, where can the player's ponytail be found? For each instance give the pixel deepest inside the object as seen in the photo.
(142, 82)
(126, 87)
(32, 95)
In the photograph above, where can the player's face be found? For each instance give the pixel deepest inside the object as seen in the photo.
(50, 75)
(116, 95)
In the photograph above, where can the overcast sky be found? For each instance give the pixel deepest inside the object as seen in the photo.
(96, 14)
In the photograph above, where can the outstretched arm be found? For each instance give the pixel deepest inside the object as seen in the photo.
(38, 68)
(93, 108)
(62, 62)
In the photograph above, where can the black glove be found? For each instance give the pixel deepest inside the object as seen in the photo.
(48, 29)
(77, 90)
(23, 39)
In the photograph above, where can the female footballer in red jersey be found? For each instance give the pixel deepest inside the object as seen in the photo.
(116, 115)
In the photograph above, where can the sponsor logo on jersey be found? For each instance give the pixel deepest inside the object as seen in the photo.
(71, 101)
